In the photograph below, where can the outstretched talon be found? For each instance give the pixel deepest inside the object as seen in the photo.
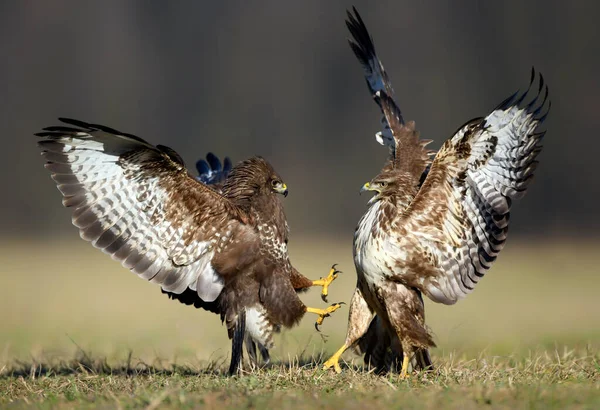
(323, 313)
(333, 274)
(334, 361)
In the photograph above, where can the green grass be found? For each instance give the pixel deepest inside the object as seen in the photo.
(541, 379)
(76, 330)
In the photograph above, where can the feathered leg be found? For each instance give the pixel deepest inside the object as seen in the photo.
(422, 358)
(358, 323)
(406, 314)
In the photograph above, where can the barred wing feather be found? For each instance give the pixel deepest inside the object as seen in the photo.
(460, 216)
(138, 203)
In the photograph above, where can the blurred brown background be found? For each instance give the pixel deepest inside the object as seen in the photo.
(277, 78)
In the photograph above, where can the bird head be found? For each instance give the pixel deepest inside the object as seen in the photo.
(389, 184)
(278, 186)
(252, 179)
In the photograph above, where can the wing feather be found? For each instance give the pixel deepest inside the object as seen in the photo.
(464, 204)
(407, 151)
(375, 75)
(137, 203)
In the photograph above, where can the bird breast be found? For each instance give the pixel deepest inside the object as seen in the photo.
(371, 257)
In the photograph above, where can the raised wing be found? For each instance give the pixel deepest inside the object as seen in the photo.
(377, 79)
(406, 150)
(461, 214)
(137, 203)
(212, 172)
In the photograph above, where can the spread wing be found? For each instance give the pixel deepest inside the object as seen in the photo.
(407, 151)
(137, 203)
(459, 219)
(212, 172)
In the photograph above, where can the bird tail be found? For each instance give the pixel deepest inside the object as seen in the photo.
(237, 343)
(422, 360)
(251, 350)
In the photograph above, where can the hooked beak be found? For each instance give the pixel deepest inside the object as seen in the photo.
(282, 189)
(367, 187)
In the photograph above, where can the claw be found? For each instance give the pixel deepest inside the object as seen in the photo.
(333, 274)
(334, 361)
(323, 313)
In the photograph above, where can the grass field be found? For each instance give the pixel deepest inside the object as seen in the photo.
(77, 330)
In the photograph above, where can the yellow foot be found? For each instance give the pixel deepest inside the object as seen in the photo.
(333, 274)
(334, 360)
(323, 313)
(404, 372)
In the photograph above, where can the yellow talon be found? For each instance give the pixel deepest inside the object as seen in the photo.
(334, 360)
(333, 274)
(323, 313)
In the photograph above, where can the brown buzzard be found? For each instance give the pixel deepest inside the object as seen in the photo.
(223, 250)
(437, 232)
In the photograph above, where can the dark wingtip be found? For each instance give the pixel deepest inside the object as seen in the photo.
(77, 123)
(543, 117)
(227, 164)
(214, 162)
(507, 102)
(520, 100)
(361, 42)
(202, 167)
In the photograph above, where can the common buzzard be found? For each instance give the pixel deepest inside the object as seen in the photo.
(435, 232)
(223, 250)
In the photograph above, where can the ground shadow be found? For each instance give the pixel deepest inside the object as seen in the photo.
(86, 365)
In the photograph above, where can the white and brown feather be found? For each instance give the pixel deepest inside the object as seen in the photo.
(437, 235)
(224, 251)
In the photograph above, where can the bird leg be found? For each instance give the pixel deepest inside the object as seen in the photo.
(333, 274)
(334, 361)
(404, 372)
(323, 313)
(359, 319)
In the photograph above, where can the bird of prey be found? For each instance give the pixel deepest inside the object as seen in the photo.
(214, 173)
(223, 250)
(433, 227)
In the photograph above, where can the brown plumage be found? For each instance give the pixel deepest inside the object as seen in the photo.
(433, 231)
(224, 251)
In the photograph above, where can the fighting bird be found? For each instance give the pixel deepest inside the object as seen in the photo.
(434, 226)
(223, 250)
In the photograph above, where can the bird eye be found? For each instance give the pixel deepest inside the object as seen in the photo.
(275, 182)
(383, 184)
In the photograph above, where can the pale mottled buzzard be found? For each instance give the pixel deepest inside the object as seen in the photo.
(435, 232)
(224, 250)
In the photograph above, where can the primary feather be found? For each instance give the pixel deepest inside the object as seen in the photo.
(222, 247)
(433, 228)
